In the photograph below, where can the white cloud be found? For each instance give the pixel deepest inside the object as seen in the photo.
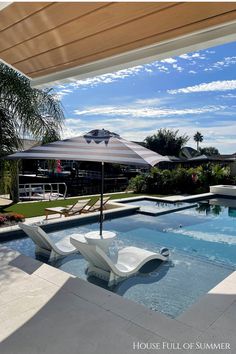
(221, 64)
(185, 56)
(107, 78)
(127, 128)
(138, 112)
(192, 72)
(148, 70)
(163, 66)
(219, 134)
(169, 61)
(149, 101)
(63, 92)
(228, 95)
(73, 121)
(224, 85)
(177, 67)
(191, 56)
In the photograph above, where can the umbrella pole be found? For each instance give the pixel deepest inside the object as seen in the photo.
(101, 200)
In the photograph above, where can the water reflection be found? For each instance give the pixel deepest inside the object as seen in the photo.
(208, 209)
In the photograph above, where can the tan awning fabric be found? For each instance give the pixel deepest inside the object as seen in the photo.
(47, 40)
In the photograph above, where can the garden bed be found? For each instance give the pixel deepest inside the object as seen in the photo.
(10, 219)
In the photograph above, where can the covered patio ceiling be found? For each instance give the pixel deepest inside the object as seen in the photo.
(55, 42)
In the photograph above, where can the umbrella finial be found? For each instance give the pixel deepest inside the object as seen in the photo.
(100, 135)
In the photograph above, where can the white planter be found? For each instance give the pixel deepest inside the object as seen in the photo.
(224, 190)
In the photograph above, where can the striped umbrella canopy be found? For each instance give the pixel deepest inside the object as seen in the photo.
(96, 146)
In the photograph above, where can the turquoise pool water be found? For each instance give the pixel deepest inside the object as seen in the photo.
(158, 206)
(155, 204)
(202, 242)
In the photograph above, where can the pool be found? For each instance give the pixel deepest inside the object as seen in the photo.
(202, 241)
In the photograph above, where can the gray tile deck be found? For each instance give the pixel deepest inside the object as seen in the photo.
(212, 306)
(44, 310)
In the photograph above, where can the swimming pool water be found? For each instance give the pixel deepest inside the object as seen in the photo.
(153, 203)
(153, 206)
(202, 242)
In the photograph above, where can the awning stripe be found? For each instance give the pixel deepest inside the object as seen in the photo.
(111, 159)
(123, 152)
(93, 146)
(110, 148)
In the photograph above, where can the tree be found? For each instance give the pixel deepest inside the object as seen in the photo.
(209, 151)
(25, 111)
(166, 142)
(31, 111)
(9, 139)
(198, 137)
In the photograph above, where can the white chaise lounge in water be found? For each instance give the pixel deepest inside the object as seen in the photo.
(45, 246)
(129, 261)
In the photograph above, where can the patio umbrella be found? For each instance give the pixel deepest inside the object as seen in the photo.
(96, 146)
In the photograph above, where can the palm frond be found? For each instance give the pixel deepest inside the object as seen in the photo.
(34, 112)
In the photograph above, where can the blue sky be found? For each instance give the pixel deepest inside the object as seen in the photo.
(191, 92)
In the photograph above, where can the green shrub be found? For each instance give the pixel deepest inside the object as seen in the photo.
(181, 180)
(138, 184)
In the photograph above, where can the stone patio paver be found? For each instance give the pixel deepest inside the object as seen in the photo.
(44, 310)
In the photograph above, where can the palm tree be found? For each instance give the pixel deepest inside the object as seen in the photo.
(25, 111)
(198, 137)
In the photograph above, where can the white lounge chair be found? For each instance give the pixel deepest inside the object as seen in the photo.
(45, 246)
(96, 205)
(70, 210)
(128, 263)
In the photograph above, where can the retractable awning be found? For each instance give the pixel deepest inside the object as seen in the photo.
(50, 41)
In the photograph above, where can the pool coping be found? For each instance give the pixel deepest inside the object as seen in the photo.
(172, 199)
(57, 223)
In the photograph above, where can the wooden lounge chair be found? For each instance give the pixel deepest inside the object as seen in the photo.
(129, 261)
(70, 210)
(45, 246)
(96, 205)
